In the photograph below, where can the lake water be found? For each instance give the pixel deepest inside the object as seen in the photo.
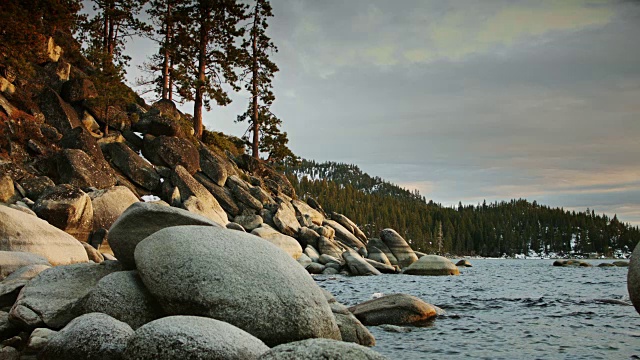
(508, 309)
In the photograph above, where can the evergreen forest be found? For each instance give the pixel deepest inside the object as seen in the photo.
(488, 229)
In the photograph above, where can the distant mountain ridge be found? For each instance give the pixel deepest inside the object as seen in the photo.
(514, 227)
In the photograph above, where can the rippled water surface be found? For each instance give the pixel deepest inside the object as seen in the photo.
(508, 309)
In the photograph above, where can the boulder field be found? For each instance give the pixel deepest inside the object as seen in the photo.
(137, 240)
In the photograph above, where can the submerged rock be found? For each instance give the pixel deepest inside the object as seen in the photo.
(464, 263)
(396, 309)
(432, 265)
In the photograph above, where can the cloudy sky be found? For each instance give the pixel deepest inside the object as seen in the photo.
(465, 100)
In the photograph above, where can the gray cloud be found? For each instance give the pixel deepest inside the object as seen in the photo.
(466, 100)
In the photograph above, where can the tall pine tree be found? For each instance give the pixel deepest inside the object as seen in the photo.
(209, 31)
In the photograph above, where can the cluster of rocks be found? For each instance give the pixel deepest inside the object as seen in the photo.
(185, 285)
(211, 262)
(581, 263)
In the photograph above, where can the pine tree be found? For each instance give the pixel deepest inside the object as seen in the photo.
(106, 32)
(208, 32)
(258, 74)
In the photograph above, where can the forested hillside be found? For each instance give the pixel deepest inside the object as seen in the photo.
(513, 227)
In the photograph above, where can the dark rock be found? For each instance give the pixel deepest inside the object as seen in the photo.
(171, 151)
(155, 124)
(383, 268)
(235, 226)
(214, 166)
(464, 263)
(78, 89)
(10, 287)
(58, 113)
(67, 208)
(133, 166)
(75, 167)
(133, 140)
(35, 186)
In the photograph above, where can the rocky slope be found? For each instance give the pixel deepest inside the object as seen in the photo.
(119, 239)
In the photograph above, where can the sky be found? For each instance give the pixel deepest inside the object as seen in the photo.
(463, 100)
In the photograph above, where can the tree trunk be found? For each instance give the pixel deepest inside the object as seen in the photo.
(202, 67)
(254, 90)
(111, 36)
(167, 54)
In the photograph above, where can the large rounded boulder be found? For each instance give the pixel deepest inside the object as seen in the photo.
(314, 349)
(91, 336)
(237, 278)
(143, 219)
(123, 296)
(633, 278)
(23, 232)
(432, 265)
(193, 337)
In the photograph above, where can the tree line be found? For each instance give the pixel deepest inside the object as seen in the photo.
(487, 229)
(205, 50)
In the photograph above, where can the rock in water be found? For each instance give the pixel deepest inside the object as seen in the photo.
(54, 296)
(357, 265)
(432, 265)
(377, 243)
(399, 247)
(123, 296)
(314, 349)
(91, 336)
(396, 309)
(237, 278)
(344, 234)
(633, 278)
(378, 255)
(143, 219)
(23, 232)
(193, 337)
(464, 263)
